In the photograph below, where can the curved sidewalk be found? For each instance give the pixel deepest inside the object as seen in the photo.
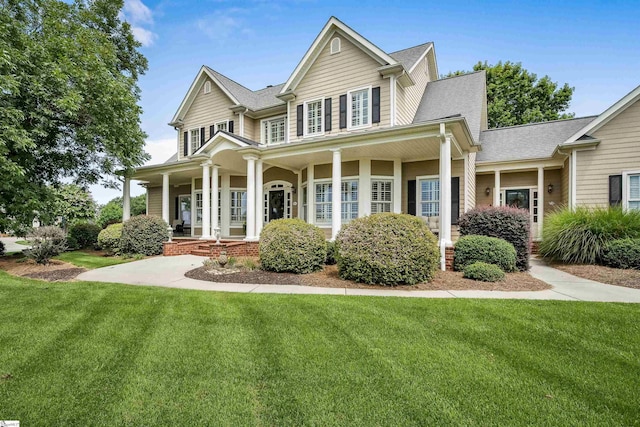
(169, 272)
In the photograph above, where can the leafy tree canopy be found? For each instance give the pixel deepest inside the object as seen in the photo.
(73, 204)
(516, 96)
(68, 100)
(111, 213)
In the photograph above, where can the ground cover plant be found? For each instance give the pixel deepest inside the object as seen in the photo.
(484, 272)
(580, 236)
(102, 354)
(622, 253)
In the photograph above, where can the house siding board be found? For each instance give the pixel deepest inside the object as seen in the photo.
(412, 95)
(205, 110)
(154, 194)
(382, 168)
(402, 114)
(482, 183)
(323, 171)
(619, 150)
(238, 181)
(333, 75)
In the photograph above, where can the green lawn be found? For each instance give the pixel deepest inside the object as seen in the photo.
(90, 261)
(101, 354)
(22, 242)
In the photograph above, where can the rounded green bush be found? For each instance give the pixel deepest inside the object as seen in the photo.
(1, 249)
(84, 235)
(503, 222)
(622, 253)
(292, 245)
(144, 234)
(483, 271)
(491, 250)
(109, 238)
(387, 249)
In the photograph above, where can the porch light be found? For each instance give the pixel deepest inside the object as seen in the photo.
(487, 191)
(550, 188)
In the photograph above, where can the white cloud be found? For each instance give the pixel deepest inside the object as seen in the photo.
(145, 37)
(137, 12)
(220, 26)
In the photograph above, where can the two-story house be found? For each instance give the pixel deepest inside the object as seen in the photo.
(356, 131)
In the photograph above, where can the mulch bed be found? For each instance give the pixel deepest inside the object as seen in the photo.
(55, 271)
(328, 278)
(599, 273)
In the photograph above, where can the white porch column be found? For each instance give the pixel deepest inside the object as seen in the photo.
(259, 198)
(311, 194)
(251, 197)
(445, 197)
(225, 205)
(126, 199)
(364, 187)
(206, 200)
(299, 193)
(336, 193)
(496, 189)
(215, 200)
(541, 190)
(397, 186)
(165, 198)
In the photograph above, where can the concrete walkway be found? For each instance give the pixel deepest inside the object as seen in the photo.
(169, 272)
(10, 244)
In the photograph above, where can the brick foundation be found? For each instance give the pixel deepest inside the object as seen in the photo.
(448, 256)
(209, 248)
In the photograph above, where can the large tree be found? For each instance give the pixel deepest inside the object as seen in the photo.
(73, 204)
(68, 100)
(112, 212)
(516, 96)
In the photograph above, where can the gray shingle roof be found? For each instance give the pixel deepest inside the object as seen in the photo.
(532, 141)
(243, 139)
(255, 100)
(408, 57)
(460, 95)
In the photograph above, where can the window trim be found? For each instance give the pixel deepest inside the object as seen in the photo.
(381, 178)
(327, 223)
(626, 188)
(207, 87)
(191, 142)
(264, 135)
(305, 128)
(419, 195)
(331, 50)
(232, 223)
(350, 108)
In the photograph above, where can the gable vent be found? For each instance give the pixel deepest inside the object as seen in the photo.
(335, 45)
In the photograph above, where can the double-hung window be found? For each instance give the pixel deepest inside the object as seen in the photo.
(198, 216)
(633, 191)
(238, 207)
(273, 130)
(359, 108)
(381, 195)
(429, 196)
(313, 114)
(349, 200)
(323, 203)
(305, 195)
(194, 140)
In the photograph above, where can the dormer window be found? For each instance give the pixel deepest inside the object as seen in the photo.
(335, 45)
(207, 86)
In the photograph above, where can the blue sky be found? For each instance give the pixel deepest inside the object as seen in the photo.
(592, 45)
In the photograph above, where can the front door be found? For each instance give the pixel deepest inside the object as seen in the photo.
(517, 198)
(276, 204)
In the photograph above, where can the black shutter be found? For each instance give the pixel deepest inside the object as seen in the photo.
(185, 148)
(615, 190)
(343, 111)
(455, 200)
(177, 208)
(411, 197)
(300, 119)
(327, 114)
(231, 126)
(212, 130)
(375, 105)
(201, 137)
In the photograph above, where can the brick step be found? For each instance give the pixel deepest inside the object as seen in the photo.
(201, 252)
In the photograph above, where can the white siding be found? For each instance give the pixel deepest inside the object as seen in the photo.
(409, 98)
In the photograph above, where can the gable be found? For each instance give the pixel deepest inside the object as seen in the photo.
(208, 108)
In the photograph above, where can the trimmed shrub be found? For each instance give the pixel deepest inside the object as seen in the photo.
(331, 253)
(622, 253)
(292, 245)
(144, 235)
(109, 239)
(85, 234)
(503, 222)
(483, 271)
(491, 250)
(46, 242)
(2, 249)
(580, 236)
(387, 249)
